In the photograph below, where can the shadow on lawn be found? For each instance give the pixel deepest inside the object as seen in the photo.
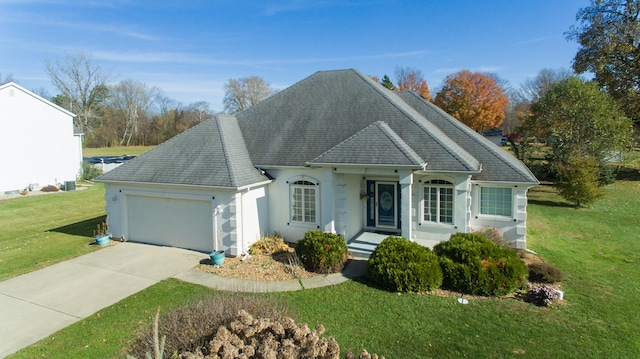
(551, 203)
(627, 173)
(84, 228)
(546, 195)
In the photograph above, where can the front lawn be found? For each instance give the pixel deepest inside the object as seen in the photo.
(597, 248)
(40, 230)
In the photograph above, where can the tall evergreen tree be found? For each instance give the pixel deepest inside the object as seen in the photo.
(386, 82)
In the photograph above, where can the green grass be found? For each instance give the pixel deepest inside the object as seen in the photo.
(38, 231)
(598, 249)
(115, 151)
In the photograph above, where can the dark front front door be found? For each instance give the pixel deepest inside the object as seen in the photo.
(386, 205)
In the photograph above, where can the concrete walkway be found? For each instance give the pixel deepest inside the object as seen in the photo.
(37, 304)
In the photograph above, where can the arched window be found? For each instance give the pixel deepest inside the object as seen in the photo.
(303, 202)
(438, 201)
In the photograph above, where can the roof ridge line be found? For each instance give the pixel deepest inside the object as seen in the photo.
(399, 142)
(227, 148)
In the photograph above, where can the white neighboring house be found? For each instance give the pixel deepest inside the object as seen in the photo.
(39, 144)
(335, 152)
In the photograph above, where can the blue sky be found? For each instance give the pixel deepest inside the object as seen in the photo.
(189, 49)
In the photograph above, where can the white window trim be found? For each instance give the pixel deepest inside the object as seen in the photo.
(478, 201)
(450, 185)
(316, 187)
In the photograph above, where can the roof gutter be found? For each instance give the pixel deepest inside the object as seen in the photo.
(156, 184)
(320, 164)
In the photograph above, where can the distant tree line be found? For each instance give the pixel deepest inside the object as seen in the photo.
(121, 114)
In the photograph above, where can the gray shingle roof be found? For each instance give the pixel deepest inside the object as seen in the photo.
(212, 153)
(377, 143)
(331, 117)
(497, 164)
(314, 115)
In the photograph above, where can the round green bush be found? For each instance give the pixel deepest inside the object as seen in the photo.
(473, 264)
(322, 252)
(403, 266)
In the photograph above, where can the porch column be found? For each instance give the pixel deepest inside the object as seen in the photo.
(327, 201)
(406, 203)
(341, 205)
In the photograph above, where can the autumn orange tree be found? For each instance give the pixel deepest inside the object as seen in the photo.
(410, 79)
(473, 98)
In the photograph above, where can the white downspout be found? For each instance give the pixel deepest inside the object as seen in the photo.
(216, 211)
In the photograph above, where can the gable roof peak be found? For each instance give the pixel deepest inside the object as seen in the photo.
(37, 97)
(374, 145)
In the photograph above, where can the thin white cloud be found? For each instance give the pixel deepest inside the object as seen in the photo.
(446, 70)
(535, 40)
(189, 58)
(481, 68)
(118, 29)
(485, 69)
(29, 19)
(283, 6)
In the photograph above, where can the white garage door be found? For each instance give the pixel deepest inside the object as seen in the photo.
(174, 222)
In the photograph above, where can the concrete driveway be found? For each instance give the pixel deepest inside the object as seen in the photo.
(36, 305)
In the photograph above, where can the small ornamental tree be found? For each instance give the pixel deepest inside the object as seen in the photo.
(579, 180)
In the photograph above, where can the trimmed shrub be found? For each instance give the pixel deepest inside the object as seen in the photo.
(544, 273)
(322, 252)
(401, 265)
(269, 245)
(473, 264)
(191, 326)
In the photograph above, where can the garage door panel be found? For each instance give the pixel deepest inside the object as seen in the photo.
(172, 222)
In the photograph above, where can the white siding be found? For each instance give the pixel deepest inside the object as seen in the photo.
(278, 195)
(514, 228)
(37, 145)
(427, 232)
(355, 207)
(255, 219)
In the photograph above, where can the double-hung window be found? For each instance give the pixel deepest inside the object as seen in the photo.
(438, 202)
(496, 201)
(303, 202)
